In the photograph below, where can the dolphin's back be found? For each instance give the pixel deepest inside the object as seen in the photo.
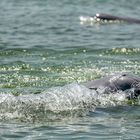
(115, 82)
(108, 17)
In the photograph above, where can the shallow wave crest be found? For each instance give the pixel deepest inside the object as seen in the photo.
(72, 100)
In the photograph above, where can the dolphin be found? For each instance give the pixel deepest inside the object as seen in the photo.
(108, 17)
(116, 82)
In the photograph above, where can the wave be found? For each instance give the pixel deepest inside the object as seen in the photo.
(56, 103)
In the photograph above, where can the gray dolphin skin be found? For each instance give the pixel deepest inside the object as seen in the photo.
(108, 17)
(116, 82)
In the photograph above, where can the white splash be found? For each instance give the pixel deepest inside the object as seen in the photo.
(72, 100)
(95, 20)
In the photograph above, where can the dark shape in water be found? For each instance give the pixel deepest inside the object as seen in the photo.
(115, 18)
(117, 82)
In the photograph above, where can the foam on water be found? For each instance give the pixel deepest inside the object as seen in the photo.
(72, 100)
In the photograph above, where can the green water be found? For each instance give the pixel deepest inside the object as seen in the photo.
(46, 52)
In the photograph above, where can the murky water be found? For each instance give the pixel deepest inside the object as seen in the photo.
(46, 52)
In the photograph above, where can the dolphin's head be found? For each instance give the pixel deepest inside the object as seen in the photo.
(117, 82)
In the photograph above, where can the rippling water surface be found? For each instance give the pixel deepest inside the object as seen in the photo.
(46, 52)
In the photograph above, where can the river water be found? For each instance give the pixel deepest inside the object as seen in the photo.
(46, 52)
